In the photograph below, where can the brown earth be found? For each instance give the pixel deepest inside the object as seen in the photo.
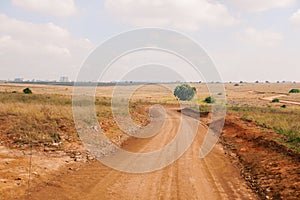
(270, 168)
(213, 177)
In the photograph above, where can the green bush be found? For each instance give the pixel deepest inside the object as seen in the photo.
(210, 100)
(236, 84)
(185, 92)
(294, 91)
(283, 106)
(27, 91)
(275, 100)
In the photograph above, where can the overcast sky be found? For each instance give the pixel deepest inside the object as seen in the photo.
(247, 39)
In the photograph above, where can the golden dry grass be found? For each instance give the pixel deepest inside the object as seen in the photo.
(46, 115)
(43, 119)
(35, 119)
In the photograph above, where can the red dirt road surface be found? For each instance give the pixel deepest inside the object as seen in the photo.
(190, 177)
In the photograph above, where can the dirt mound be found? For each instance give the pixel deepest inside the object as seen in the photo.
(193, 113)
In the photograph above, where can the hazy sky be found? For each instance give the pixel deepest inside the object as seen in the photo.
(247, 39)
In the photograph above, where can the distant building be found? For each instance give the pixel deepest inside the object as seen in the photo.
(64, 79)
(19, 80)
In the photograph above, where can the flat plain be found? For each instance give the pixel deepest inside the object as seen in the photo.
(256, 157)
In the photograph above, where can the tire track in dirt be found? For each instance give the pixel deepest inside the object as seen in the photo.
(281, 101)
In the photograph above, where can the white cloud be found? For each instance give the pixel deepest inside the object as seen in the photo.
(42, 47)
(188, 14)
(295, 18)
(260, 38)
(261, 5)
(50, 7)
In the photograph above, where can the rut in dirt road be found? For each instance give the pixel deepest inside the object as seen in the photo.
(189, 177)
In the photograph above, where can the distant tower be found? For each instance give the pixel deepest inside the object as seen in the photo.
(64, 79)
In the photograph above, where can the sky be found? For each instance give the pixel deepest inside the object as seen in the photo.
(248, 40)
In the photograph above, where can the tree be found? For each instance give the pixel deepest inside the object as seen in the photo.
(185, 92)
(276, 100)
(27, 91)
(294, 91)
(210, 100)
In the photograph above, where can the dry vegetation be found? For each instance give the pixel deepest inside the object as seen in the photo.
(283, 121)
(35, 119)
(45, 116)
(44, 119)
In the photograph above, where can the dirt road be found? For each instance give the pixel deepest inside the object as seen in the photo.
(213, 177)
(281, 101)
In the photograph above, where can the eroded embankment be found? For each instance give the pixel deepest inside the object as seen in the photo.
(270, 168)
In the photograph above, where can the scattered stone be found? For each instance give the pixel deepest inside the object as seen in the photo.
(77, 159)
(89, 157)
(55, 144)
(35, 173)
(233, 155)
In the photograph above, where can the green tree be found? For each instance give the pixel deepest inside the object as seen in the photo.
(294, 91)
(210, 100)
(27, 91)
(276, 100)
(185, 92)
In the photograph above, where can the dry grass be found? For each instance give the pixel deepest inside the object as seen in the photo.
(46, 115)
(35, 119)
(45, 119)
(36, 89)
(292, 97)
(282, 121)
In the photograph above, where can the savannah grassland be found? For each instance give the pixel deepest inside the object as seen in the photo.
(45, 116)
(43, 121)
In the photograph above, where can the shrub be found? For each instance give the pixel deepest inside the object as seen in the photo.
(275, 100)
(27, 91)
(185, 92)
(294, 91)
(236, 84)
(210, 99)
(56, 137)
(283, 106)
